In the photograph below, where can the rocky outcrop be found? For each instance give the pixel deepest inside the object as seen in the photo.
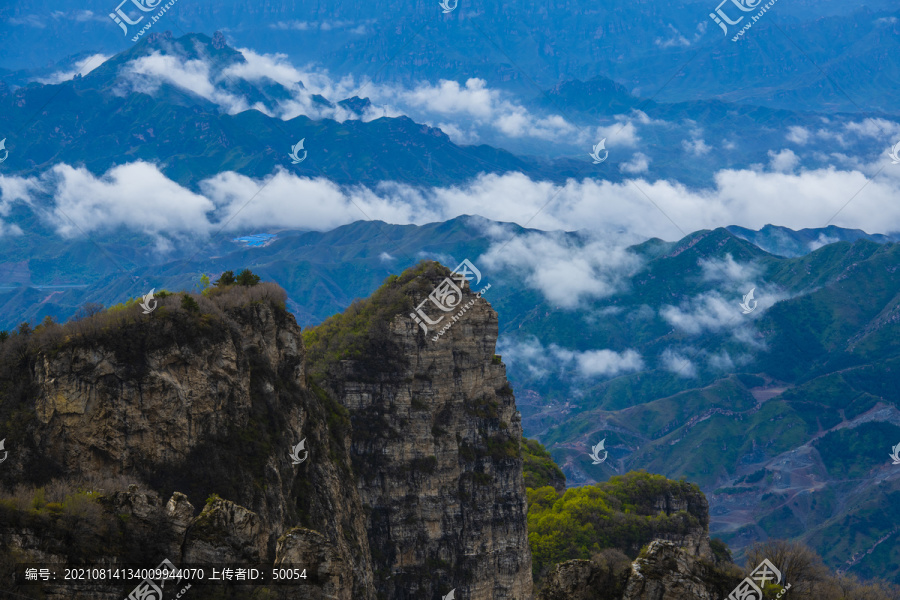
(580, 580)
(435, 442)
(666, 571)
(695, 540)
(206, 406)
(410, 482)
(663, 571)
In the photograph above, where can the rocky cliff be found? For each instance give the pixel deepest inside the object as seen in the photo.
(411, 479)
(663, 571)
(435, 442)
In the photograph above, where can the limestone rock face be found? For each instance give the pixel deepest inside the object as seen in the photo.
(665, 571)
(224, 533)
(572, 580)
(325, 568)
(201, 410)
(668, 572)
(409, 483)
(696, 539)
(435, 443)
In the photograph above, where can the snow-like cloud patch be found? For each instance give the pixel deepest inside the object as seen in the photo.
(81, 67)
(677, 363)
(538, 361)
(566, 272)
(749, 198)
(639, 163)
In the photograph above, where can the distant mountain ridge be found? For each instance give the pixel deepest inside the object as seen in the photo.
(765, 401)
(783, 241)
(355, 257)
(640, 45)
(191, 137)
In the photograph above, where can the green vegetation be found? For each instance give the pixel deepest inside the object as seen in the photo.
(189, 304)
(362, 332)
(501, 447)
(245, 278)
(539, 468)
(620, 513)
(720, 550)
(853, 452)
(68, 515)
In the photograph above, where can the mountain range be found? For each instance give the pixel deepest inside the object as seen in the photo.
(784, 416)
(824, 46)
(758, 361)
(224, 112)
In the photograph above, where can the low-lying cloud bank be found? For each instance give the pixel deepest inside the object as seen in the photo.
(539, 361)
(139, 196)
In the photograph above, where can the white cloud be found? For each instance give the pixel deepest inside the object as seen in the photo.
(81, 67)
(874, 128)
(606, 363)
(798, 135)
(448, 97)
(567, 273)
(352, 26)
(538, 361)
(40, 21)
(463, 111)
(639, 163)
(729, 270)
(740, 197)
(721, 361)
(14, 189)
(386, 258)
(622, 133)
(469, 112)
(783, 162)
(822, 240)
(292, 25)
(714, 311)
(529, 355)
(677, 39)
(147, 73)
(678, 364)
(697, 146)
(708, 311)
(135, 195)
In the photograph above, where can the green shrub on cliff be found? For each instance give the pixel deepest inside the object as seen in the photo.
(620, 513)
(362, 332)
(539, 468)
